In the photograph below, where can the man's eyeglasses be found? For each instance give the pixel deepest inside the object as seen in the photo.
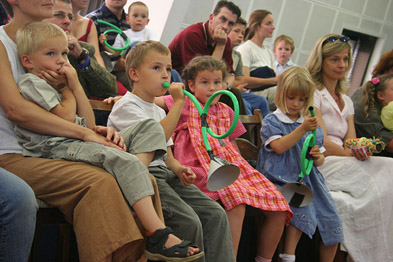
(343, 39)
(62, 15)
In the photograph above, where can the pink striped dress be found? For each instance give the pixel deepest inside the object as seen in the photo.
(251, 188)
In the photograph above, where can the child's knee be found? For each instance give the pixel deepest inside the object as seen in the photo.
(278, 216)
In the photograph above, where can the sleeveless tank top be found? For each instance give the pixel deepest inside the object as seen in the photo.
(8, 140)
(83, 38)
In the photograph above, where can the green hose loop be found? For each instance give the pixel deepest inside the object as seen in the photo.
(114, 30)
(206, 129)
(306, 164)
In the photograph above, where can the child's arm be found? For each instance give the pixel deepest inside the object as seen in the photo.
(160, 102)
(185, 174)
(66, 109)
(82, 103)
(101, 39)
(284, 143)
(169, 123)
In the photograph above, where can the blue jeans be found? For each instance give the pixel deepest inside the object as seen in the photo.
(18, 209)
(253, 101)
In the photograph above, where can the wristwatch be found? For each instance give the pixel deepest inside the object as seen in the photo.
(83, 55)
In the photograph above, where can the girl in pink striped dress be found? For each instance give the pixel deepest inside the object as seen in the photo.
(203, 76)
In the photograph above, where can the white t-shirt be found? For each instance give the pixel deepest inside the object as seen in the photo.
(143, 35)
(8, 141)
(254, 56)
(131, 109)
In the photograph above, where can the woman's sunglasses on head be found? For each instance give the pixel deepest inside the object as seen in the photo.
(343, 39)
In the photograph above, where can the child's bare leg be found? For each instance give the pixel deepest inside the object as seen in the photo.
(235, 218)
(144, 209)
(292, 237)
(327, 253)
(146, 158)
(270, 233)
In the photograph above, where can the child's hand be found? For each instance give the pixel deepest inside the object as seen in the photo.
(69, 72)
(309, 124)
(186, 176)
(57, 80)
(112, 100)
(219, 36)
(111, 136)
(102, 38)
(315, 152)
(176, 91)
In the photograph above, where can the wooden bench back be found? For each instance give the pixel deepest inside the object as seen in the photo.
(253, 123)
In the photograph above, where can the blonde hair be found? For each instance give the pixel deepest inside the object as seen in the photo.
(255, 21)
(140, 4)
(29, 38)
(287, 39)
(370, 92)
(324, 48)
(137, 55)
(295, 80)
(199, 64)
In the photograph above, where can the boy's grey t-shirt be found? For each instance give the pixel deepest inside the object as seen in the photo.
(131, 109)
(38, 91)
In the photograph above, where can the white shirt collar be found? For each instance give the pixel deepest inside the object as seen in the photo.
(284, 118)
(288, 64)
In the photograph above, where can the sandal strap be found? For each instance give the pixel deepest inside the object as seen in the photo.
(179, 250)
(161, 235)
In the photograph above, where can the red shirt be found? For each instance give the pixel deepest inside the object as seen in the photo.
(195, 41)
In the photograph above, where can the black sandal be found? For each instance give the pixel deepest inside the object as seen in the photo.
(156, 250)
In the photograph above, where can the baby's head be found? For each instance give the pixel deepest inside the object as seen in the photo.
(283, 49)
(203, 76)
(237, 33)
(295, 81)
(143, 51)
(42, 46)
(138, 16)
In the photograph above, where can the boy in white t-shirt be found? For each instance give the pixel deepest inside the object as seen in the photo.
(187, 210)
